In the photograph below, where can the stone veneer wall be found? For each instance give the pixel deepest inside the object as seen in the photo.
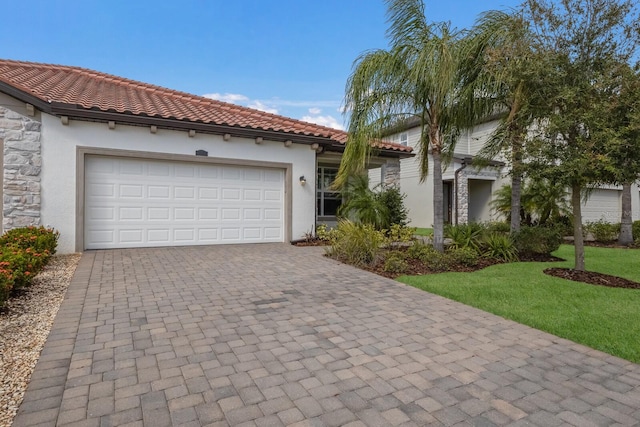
(22, 162)
(391, 170)
(462, 210)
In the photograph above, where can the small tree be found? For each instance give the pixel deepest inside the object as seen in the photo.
(580, 42)
(621, 141)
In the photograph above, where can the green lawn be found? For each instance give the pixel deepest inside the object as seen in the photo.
(607, 319)
(423, 231)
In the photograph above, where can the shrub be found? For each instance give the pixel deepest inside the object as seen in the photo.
(562, 224)
(500, 247)
(23, 253)
(537, 240)
(6, 281)
(438, 261)
(395, 262)
(434, 260)
(464, 256)
(355, 243)
(393, 199)
(419, 250)
(39, 239)
(602, 231)
(635, 230)
(465, 235)
(400, 234)
(498, 227)
(323, 232)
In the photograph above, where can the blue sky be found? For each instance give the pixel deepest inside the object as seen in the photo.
(290, 57)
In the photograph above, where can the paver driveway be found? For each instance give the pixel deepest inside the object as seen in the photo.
(273, 335)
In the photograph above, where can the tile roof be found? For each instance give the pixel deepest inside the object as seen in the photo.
(91, 90)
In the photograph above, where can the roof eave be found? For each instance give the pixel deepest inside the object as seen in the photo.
(79, 113)
(380, 152)
(26, 97)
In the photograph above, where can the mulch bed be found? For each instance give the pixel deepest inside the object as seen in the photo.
(416, 267)
(592, 278)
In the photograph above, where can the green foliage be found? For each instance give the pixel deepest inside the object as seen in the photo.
(419, 251)
(6, 281)
(323, 232)
(499, 246)
(465, 235)
(356, 243)
(23, 253)
(537, 240)
(429, 256)
(562, 224)
(636, 230)
(602, 231)
(381, 206)
(39, 239)
(362, 204)
(541, 202)
(395, 262)
(399, 234)
(393, 199)
(438, 261)
(497, 227)
(464, 256)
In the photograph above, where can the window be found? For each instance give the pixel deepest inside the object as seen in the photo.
(328, 201)
(401, 138)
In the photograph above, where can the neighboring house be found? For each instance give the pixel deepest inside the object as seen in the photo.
(114, 163)
(468, 190)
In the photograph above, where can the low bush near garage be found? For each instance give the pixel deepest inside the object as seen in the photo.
(23, 253)
(355, 243)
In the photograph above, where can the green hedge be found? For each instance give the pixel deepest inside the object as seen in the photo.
(23, 254)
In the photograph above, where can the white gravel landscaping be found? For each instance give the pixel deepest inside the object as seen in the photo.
(25, 322)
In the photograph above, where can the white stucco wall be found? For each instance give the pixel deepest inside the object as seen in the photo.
(59, 144)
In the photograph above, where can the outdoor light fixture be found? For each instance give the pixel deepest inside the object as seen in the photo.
(303, 180)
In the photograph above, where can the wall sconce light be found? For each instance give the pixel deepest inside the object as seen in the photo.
(303, 180)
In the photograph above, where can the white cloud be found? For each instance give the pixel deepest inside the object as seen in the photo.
(259, 105)
(315, 111)
(328, 121)
(234, 98)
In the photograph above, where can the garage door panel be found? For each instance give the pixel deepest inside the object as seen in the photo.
(135, 202)
(603, 204)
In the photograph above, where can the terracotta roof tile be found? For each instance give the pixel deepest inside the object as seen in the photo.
(90, 89)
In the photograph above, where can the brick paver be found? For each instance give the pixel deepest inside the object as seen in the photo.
(275, 335)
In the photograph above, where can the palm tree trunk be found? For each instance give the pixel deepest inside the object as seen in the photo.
(626, 225)
(516, 162)
(578, 239)
(516, 193)
(438, 202)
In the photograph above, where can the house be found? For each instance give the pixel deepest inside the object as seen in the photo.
(469, 190)
(116, 163)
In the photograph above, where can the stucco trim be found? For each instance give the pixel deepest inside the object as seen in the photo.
(82, 152)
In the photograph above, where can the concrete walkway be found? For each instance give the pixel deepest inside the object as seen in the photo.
(273, 335)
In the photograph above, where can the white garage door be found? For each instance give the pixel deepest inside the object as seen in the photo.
(603, 205)
(144, 203)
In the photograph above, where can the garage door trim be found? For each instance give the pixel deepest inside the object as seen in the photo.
(83, 152)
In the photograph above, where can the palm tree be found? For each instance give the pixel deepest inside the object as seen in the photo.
(363, 204)
(420, 76)
(505, 61)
